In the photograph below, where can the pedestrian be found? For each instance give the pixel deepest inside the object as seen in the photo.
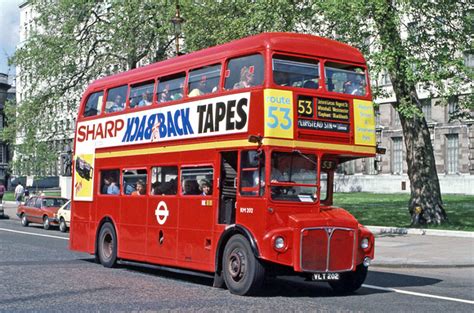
(2, 191)
(19, 190)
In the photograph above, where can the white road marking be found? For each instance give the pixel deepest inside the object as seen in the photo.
(32, 234)
(418, 294)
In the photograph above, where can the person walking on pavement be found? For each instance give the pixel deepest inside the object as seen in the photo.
(2, 191)
(19, 190)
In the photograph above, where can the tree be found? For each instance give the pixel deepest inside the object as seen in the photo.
(75, 42)
(418, 43)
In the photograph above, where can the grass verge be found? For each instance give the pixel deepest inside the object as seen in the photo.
(392, 210)
(10, 195)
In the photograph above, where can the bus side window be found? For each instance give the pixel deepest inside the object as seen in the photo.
(94, 104)
(164, 180)
(204, 80)
(244, 72)
(116, 98)
(171, 88)
(194, 180)
(252, 173)
(134, 182)
(141, 94)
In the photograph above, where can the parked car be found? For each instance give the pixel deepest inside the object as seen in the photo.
(64, 216)
(41, 210)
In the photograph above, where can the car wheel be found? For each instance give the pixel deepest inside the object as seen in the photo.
(62, 225)
(350, 281)
(24, 220)
(243, 273)
(107, 245)
(46, 224)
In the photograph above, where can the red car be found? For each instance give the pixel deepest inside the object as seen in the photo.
(40, 209)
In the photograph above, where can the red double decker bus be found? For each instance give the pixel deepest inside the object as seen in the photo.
(222, 162)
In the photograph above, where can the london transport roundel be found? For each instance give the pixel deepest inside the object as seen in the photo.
(162, 212)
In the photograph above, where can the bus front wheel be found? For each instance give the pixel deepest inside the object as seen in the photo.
(243, 273)
(350, 281)
(107, 245)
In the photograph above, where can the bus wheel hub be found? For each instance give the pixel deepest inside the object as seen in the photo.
(237, 264)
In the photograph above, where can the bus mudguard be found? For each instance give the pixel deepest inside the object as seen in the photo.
(229, 232)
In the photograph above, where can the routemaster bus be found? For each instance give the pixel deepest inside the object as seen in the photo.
(221, 162)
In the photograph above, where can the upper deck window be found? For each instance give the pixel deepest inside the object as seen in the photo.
(244, 72)
(141, 94)
(295, 72)
(116, 99)
(345, 78)
(94, 104)
(171, 87)
(204, 80)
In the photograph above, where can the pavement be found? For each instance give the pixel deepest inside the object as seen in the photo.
(401, 247)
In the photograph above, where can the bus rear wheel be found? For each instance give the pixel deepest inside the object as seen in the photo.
(107, 245)
(243, 273)
(350, 281)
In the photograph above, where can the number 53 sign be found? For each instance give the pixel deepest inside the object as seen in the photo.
(278, 113)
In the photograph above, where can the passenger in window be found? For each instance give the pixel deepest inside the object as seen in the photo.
(201, 88)
(205, 187)
(190, 187)
(117, 105)
(140, 189)
(134, 100)
(246, 78)
(165, 96)
(179, 93)
(355, 85)
(310, 84)
(282, 78)
(110, 186)
(145, 100)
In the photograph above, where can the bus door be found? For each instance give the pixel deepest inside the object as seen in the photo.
(227, 187)
(251, 189)
(196, 215)
(133, 212)
(163, 208)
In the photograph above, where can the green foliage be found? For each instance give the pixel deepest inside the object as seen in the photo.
(75, 42)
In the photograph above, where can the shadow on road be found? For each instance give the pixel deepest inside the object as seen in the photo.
(296, 286)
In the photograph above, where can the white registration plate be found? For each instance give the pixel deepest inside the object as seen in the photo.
(325, 276)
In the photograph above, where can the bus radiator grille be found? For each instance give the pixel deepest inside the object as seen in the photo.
(327, 249)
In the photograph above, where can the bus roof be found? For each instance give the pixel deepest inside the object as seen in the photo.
(303, 44)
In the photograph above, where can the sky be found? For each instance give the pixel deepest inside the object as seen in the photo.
(9, 32)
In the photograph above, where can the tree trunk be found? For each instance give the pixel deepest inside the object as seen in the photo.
(426, 205)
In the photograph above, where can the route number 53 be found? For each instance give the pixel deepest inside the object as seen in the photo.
(305, 107)
(279, 117)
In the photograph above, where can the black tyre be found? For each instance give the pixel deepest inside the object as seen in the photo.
(46, 224)
(243, 273)
(62, 225)
(350, 281)
(107, 245)
(24, 220)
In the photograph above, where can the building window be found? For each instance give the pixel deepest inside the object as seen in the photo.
(426, 108)
(469, 59)
(385, 79)
(377, 117)
(452, 106)
(395, 118)
(397, 155)
(452, 153)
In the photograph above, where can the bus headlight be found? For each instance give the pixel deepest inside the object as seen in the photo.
(364, 243)
(279, 243)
